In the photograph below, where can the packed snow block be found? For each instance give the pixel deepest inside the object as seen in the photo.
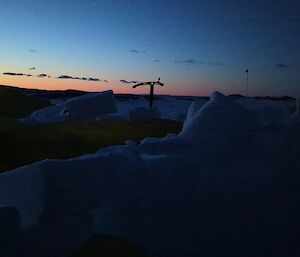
(219, 120)
(73, 188)
(86, 107)
(22, 189)
(85, 183)
(170, 144)
(90, 106)
(52, 187)
(143, 113)
(193, 109)
(51, 114)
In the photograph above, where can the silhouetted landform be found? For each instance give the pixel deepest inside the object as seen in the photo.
(55, 94)
(236, 95)
(15, 103)
(281, 98)
(272, 98)
(69, 93)
(192, 98)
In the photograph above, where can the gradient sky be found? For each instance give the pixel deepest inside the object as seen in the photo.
(196, 47)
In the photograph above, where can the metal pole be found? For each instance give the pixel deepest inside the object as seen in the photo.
(247, 71)
(151, 95)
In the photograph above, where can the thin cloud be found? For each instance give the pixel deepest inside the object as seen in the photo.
(187, 61)
(93, 79)
(32, 51)
(42, 75)
(193, 61)
(16, 74)
(65, 77)
(135, 51)
(13, 74)
(128, 82)
(281, 66)
(78, 78)
(124, 81)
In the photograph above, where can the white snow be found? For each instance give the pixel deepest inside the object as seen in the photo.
(227, 185)
(81, 108)
(91, 105)
(218, 121)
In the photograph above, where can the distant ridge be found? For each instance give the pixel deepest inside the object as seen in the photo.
(68, 93)
(272, 98)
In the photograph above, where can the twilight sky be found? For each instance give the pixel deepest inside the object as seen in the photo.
(196, 47)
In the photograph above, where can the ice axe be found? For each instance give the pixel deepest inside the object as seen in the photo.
(151, 84)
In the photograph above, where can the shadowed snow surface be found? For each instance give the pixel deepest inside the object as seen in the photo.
(227, 185)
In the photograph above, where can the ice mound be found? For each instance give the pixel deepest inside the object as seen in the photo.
(56, 196)
(86, 107)
(69, 186)
(22, 188)
(220, 119)
(143, 113)
(91, 105)
(219, 188)
(193, 109)
(51, 114)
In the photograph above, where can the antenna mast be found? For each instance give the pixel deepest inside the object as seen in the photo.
(247, 80)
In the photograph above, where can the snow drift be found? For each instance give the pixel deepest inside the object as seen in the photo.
(225, 186)
(86, 107)
(90, 106)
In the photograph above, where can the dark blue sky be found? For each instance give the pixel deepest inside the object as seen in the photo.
(195, 46)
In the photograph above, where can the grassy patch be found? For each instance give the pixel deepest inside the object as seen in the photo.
(107, 246)
(15, 104)
(25, 145)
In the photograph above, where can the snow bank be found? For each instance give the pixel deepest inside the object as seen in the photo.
(22, 188)
(226, 186)
(219, 120)
(56, 196)
(91, 105)
(193, 109)
(51, 114)
(86, 107)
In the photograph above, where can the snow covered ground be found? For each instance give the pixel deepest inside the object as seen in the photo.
(170, 107)
(227, 185)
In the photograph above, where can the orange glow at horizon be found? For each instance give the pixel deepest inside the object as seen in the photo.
(116, 86)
